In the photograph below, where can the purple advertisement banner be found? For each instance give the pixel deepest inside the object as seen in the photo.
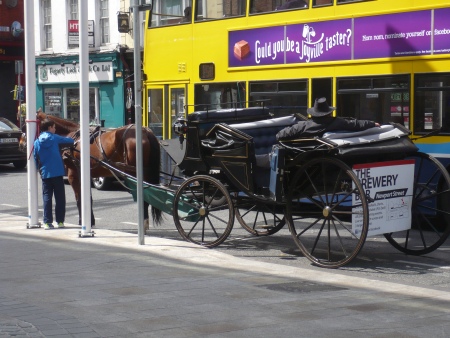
(319, 41)
(391, 35)
(256, 47)
(441, 31)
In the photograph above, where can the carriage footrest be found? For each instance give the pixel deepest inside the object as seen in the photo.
(276, 172)
(162, 199)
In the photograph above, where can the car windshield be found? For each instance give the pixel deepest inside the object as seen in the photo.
(7, 125)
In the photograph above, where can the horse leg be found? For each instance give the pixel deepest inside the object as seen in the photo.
(74, 181)
(72, 176)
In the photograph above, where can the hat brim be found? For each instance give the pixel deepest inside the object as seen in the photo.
(314, 112)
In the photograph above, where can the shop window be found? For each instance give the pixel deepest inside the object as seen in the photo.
(282, 97)
(382, 99)
(72, 100)
(53, 101)
(210, 96)
(432, 103)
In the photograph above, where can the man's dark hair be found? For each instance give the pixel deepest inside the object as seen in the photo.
(46, 124)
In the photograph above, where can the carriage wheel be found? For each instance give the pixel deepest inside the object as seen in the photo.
(327, 212)
(259, 219)
(430, 209)
(198, 216)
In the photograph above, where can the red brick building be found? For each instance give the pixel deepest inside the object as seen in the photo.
(12, 48)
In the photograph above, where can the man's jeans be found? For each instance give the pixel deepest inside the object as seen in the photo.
(54, 186)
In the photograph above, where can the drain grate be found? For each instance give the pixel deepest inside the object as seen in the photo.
(302, 287)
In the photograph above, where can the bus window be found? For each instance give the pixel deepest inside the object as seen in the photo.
(170, 12)
(432, 103)
(155, 106)
(382, 99)
(219, 9)
(322, 87)
(317, 3)
(177, 104)
(347, 1)
(292, 4)
(282, 97)
(210, 96)
(264, 6)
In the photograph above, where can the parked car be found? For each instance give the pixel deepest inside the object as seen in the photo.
(10, 152)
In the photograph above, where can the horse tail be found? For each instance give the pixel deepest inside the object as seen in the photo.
(154, 170)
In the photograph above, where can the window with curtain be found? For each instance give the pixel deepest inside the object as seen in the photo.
(47, 20)
(104, 21)
(73, 9)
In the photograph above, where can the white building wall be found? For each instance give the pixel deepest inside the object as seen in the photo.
(60, 16)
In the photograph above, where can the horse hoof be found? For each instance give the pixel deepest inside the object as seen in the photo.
(146, 224)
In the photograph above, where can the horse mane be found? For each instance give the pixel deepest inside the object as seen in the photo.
(63, 126)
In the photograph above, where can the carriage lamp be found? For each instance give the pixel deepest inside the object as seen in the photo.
(180, 128)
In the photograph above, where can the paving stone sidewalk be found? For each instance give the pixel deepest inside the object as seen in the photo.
(55, 284)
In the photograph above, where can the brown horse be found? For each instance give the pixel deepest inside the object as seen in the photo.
(115, 147)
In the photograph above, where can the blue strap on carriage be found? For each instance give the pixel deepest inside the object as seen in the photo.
(276, 172)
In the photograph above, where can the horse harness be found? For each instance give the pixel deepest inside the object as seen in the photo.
(95, 137)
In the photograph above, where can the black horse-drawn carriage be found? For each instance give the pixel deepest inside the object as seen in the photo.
(331, 190)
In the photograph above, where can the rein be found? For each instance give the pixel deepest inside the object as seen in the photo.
(104, 161)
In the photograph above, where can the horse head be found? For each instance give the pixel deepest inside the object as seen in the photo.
(63, 127)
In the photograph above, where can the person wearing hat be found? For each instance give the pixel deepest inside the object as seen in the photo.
(322, 121)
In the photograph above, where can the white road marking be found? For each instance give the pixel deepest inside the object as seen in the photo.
(11, 205)
(424, 264)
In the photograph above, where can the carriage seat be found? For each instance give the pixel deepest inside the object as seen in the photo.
(264, 132)
(224, 115)
(386, 139)
(364, 136)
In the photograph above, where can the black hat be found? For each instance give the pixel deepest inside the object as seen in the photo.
(320, 108)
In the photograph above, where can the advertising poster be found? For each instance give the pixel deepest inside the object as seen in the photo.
(390, 186)
(381, 36)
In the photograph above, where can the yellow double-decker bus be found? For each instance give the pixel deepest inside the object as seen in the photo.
(381, 60)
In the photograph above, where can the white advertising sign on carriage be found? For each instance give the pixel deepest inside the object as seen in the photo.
(390, 187)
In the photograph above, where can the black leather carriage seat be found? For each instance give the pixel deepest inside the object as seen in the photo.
(264, 132)
(229, 115)
(264, 138)
(203, 121)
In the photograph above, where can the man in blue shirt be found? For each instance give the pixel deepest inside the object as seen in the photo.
(47, 155)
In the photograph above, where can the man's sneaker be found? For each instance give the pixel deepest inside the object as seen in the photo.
(48, 226)
(60, 225)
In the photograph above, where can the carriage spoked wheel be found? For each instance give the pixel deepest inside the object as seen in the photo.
(327, 212)
(430, 210)
(203, 211)
(259, 219)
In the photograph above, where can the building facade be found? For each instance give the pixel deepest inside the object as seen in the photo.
(111, 81)
(12, 49)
